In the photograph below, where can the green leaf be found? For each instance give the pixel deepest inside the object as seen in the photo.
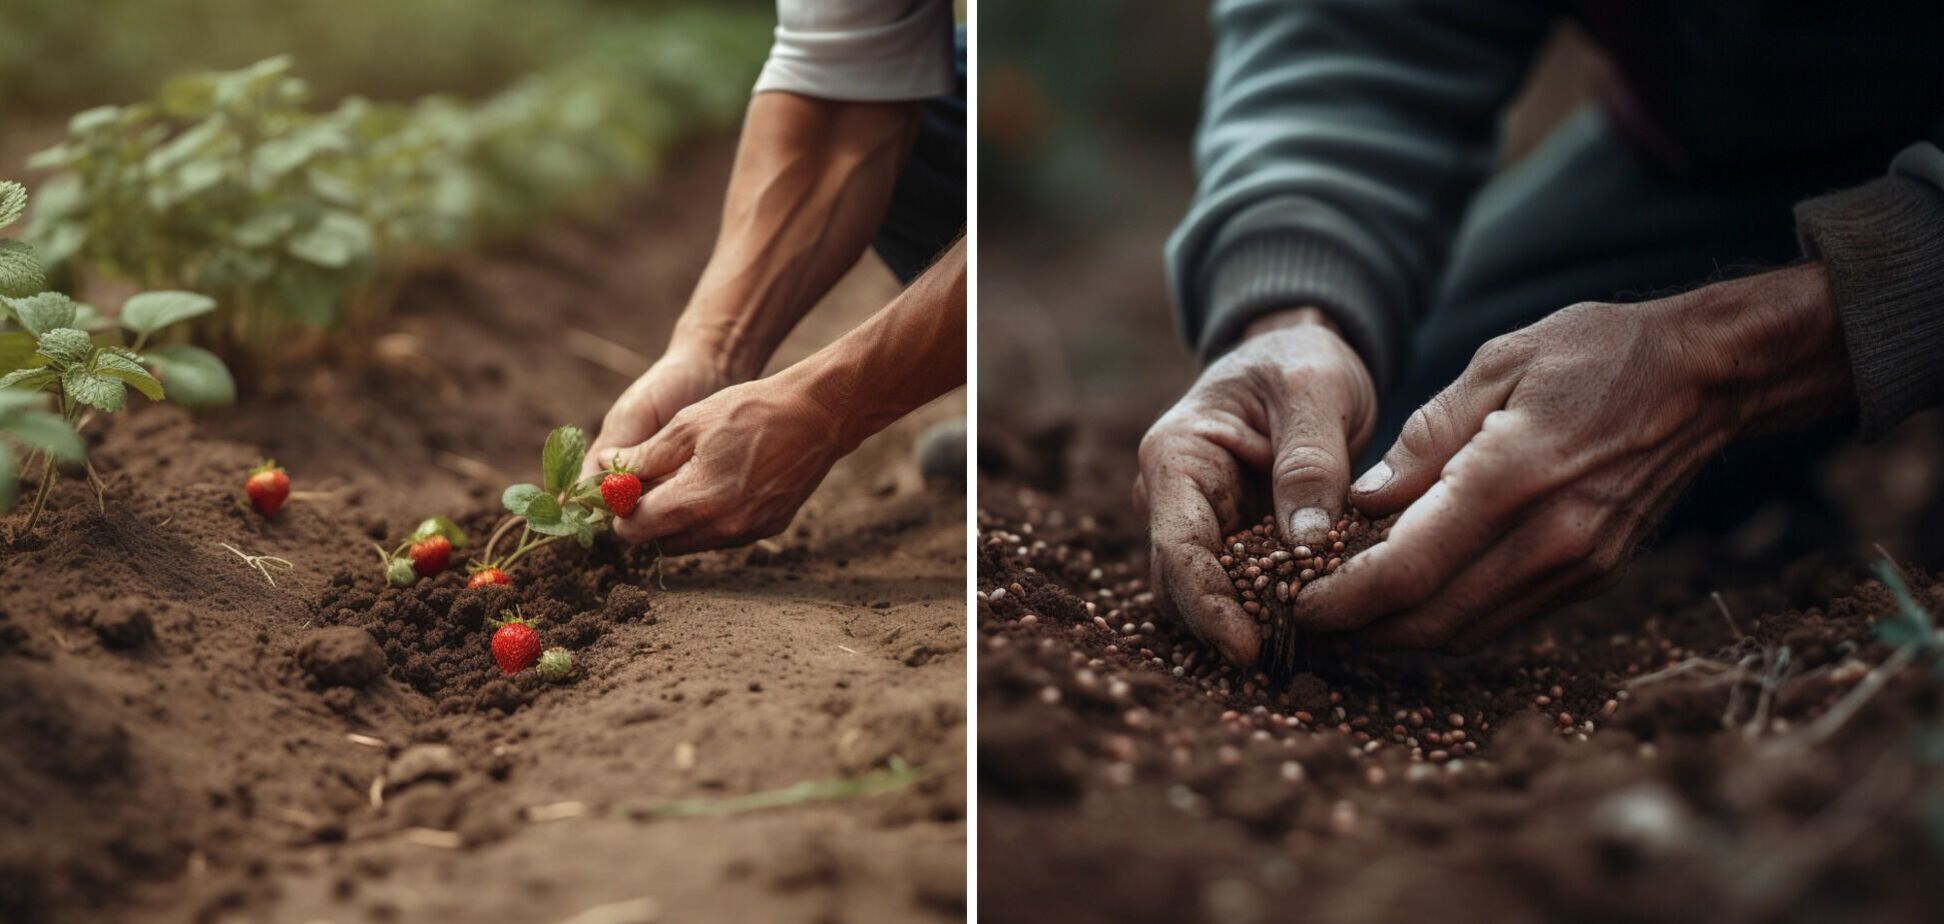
(41, 313)
(16, 350)
(65, 346)
(20, 271)
(13, 202)
(561, 459)
(149, 312)
(93, 389)
(121, 364)
(194, 376)
(88, 121)
(29, 379)
(1911, 623)
(335, 241)
(46, 432)
(530, 502)
(440, 526)
(264, 228)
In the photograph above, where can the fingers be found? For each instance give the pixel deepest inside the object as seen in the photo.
(1519, 575)
(1310, 472)
(667, 509)
(1185, 525)
(1440, 535)
(1431, 437)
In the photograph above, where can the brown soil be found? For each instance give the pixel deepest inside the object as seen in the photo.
(1639, 757)
(189, 742)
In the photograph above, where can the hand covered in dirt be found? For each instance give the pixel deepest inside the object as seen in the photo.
(732, 468)
(678, 379)
(1533, 477)
(1293, 402)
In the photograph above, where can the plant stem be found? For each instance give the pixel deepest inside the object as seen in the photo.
(528, 545)
(48, 477)
(486, 554)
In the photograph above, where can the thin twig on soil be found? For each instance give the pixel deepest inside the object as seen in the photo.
(1838, 715)
(262, 563)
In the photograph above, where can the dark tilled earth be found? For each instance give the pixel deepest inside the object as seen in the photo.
(1683, 748)
(188, 742)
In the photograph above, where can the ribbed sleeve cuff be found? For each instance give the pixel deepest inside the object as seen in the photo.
(1883, 245)
(1274, 270)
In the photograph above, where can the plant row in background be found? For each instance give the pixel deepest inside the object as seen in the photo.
(294, 219)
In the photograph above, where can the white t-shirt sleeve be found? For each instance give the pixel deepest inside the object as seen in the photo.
(862, 50)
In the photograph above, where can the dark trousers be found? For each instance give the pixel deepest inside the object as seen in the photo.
(1584, 218)
(927, 210)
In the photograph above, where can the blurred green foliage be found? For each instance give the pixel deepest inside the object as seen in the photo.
(298, 218)
(1066, 87)
(57, 56)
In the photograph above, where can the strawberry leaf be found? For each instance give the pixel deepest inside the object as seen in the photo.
(337, 240)
(122, 365)
(29, 379)
(194, 376)
(93, 389)
(65, 346)
(13, 201)
(41, 313)
(531, 502)
(16, 349)
(44, 431)
(440, 526)
(148, 312)
(20, 271)
(561, 459)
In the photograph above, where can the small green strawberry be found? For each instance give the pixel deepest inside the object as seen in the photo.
(400, 573)
(556, 665)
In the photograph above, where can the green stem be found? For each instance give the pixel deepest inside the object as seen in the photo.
(527, 546)
(48, 476)
(486, 554)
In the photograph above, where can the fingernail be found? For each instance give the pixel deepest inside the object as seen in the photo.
(1373, 480)
(1309, 524)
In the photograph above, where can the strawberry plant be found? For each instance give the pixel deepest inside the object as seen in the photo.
(297, 220)
(70, 351)
(563, 505)
(424, 553)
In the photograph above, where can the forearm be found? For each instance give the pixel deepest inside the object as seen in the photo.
(811, 183)
(1770, 345)
(1340, 142)
(910, 352)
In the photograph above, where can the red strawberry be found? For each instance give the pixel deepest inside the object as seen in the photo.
(622, 491)
(268, 487)
(488, 575)
(431, 556)
(515, 645)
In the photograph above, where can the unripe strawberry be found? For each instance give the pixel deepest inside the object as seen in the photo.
(399, 572)
(431, 556)
(556, 665)
(488, 575)
(515, 645)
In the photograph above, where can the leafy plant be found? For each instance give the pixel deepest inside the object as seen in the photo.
(563, 505)
(25, 426)
(298, 220)
(54, 352)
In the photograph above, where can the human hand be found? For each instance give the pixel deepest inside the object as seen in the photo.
(1293, 401)
(678, 379)
(732, 468)
(1532, 478)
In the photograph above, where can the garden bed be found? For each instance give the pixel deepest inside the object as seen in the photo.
(175, 756)
(1659, 754)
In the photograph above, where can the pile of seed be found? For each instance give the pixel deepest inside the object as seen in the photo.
(1268, 572)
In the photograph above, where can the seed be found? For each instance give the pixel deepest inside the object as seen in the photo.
(1015, 588)
(1292, 771)
(1333, 564)
(1029, 619)
(1438, 756)
(1309, 574)
(1565, 720)
(1301, 551)
(1336, 546)
(1050, 695)
(1612, 706)
(1455, 720)
(1282, 591)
